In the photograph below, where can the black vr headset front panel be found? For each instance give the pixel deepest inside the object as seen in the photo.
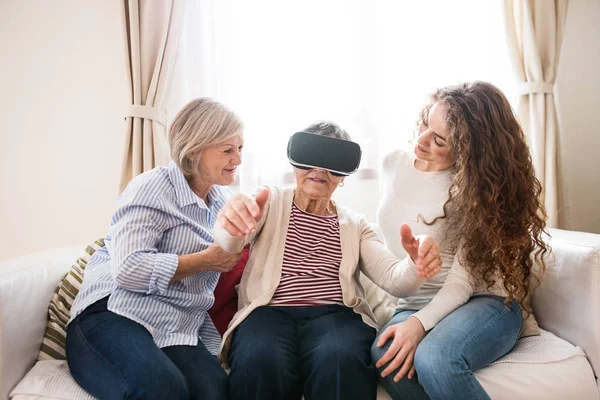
(316, 151)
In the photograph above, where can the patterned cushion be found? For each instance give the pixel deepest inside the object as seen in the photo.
(53, 344)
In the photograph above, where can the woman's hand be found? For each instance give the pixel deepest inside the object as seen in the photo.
(213, 258)
(424, 251)
(405, 337)
(241, 213)
(216, 259)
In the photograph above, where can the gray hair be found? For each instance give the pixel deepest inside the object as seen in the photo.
(201, 123)
(328, 128)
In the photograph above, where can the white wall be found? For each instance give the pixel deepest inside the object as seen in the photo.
(578, 98)
(62, 92)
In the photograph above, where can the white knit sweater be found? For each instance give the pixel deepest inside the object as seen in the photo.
(406, 194)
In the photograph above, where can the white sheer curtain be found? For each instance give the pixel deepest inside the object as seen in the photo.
(366, 64)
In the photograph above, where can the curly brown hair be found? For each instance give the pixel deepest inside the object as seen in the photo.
(494, 200)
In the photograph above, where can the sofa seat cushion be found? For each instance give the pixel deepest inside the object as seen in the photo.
(542, 349)
(49, 379)
(540, 367)
(509, 378)
(567, 379)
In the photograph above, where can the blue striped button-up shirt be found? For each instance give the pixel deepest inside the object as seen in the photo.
(158, 218)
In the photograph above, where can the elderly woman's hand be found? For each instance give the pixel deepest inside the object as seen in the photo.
(241, 213)
(424, 251)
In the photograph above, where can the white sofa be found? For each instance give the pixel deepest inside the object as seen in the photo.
(566, 305)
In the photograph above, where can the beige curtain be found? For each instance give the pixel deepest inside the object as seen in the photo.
(535, 31)
(152, 30)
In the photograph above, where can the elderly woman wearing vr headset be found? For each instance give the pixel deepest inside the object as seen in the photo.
(303, 325)
(471, 185)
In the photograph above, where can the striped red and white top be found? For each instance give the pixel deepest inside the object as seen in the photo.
(311, 261)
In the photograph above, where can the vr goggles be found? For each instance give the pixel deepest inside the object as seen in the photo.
(340, 157)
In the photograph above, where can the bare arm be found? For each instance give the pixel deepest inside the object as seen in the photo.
(212, 258)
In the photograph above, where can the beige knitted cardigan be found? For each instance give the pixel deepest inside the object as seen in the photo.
(362, 250)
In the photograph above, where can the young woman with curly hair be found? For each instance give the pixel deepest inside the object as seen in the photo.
(473, 188)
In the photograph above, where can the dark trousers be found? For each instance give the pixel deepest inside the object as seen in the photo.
(319, 351)
(113, 357)
(471, 337)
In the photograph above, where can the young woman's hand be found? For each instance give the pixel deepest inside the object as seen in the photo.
(424, 251)
(241, 213)
(405, 337)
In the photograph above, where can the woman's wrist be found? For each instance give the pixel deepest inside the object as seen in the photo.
(417, 324)
(188, 265)
(200, 261)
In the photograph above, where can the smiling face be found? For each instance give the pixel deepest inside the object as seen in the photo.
(431, 148)
(218, 163)
(315, 183)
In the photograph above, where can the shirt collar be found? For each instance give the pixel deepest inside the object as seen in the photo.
(184, 193)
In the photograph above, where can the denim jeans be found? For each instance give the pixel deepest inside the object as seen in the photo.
(113, 357)
(319, 351)
(473, 336)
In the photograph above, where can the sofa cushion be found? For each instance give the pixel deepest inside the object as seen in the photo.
(49, 379)
(511, 378)
(567, 379)
(567, 303)
(53, 343)
(544, 348)
(225, 305)
(27, 284)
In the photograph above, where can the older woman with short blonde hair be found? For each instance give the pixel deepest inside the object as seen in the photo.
(139, 326)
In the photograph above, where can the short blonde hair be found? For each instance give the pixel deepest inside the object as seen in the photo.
(201, 123)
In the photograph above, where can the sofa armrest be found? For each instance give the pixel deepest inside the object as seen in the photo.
(567, 303)
(26, 287)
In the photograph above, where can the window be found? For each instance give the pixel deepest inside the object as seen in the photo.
(367, 65)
